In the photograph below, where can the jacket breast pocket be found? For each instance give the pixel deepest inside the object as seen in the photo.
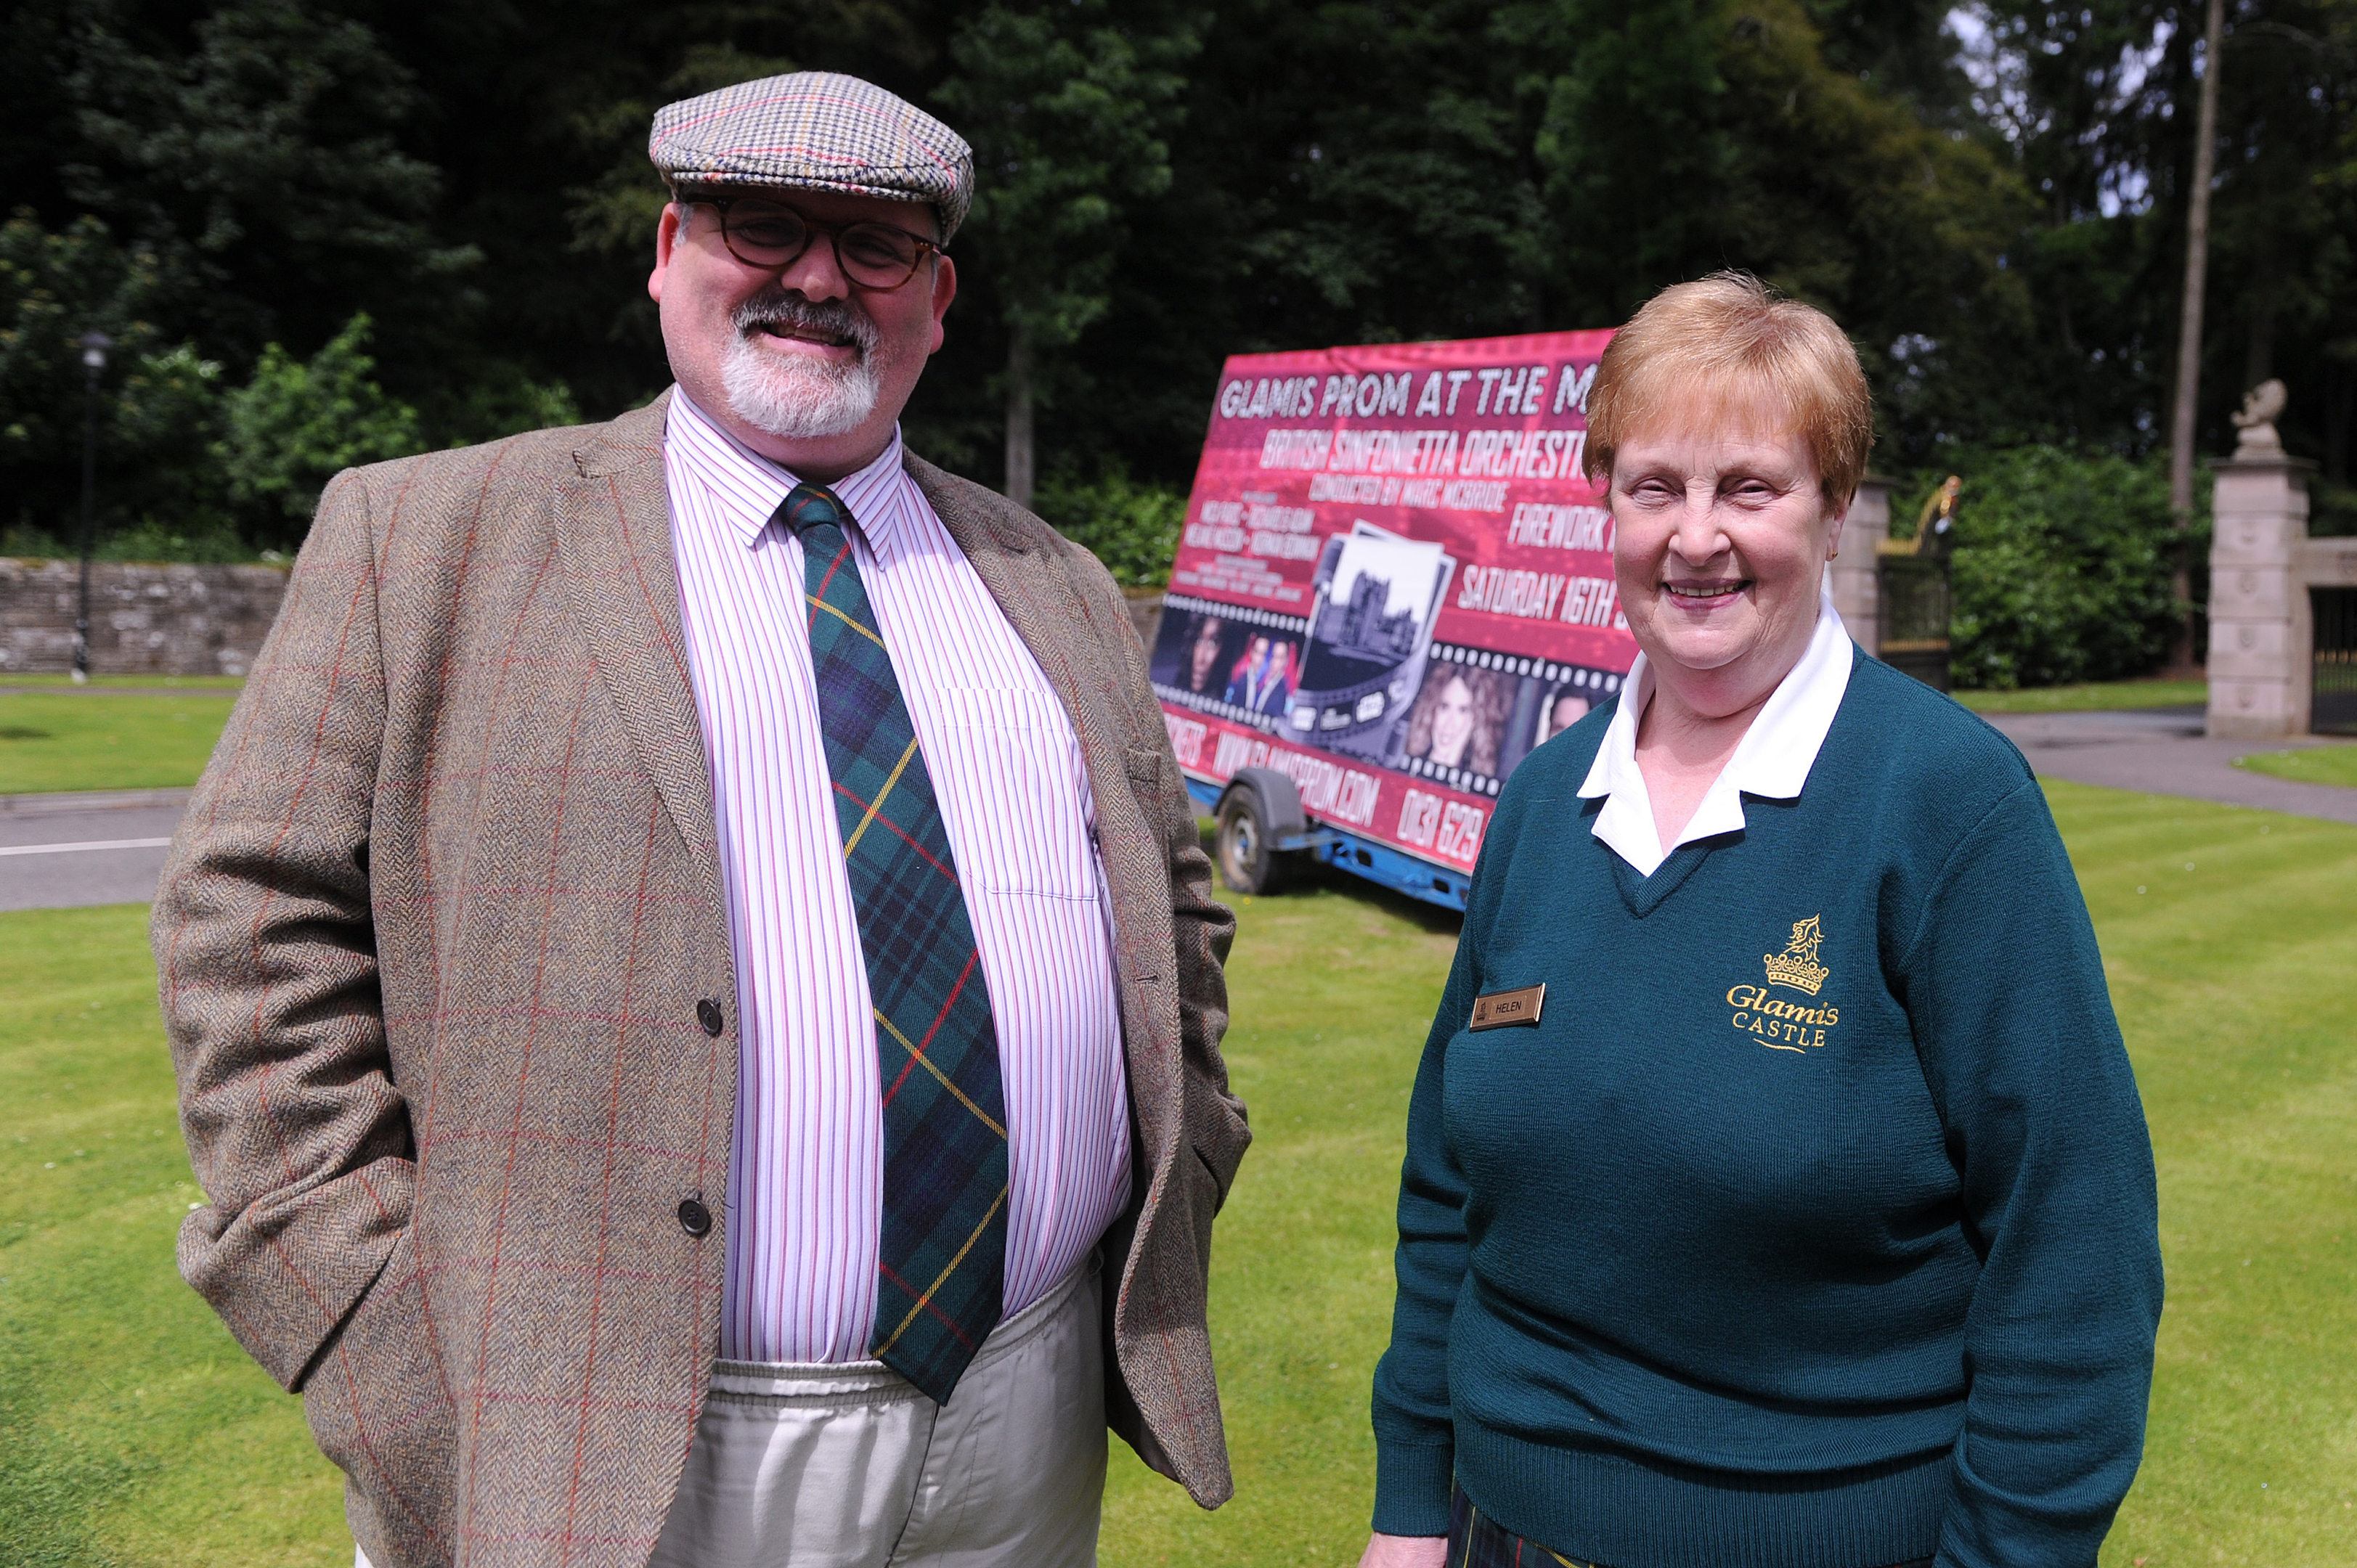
(1019, 809)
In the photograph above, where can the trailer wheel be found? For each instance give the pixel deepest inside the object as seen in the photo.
(1247, 863)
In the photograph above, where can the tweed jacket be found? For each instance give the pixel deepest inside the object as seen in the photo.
(434, 939)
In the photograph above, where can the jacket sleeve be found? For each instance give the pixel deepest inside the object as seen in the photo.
(1415, 1444)
(2026, 1064)
(267, 969)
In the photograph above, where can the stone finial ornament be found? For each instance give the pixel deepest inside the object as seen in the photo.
(2261, 406)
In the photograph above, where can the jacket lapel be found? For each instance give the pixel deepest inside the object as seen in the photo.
(613, 526)
(1039, 600)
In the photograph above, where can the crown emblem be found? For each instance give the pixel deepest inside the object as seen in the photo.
(1797, 965)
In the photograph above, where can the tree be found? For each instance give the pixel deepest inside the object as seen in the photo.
(262, 157)
(1068, 110)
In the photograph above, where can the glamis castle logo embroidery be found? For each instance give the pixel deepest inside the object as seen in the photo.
(1797, 965)
(1774, 1022)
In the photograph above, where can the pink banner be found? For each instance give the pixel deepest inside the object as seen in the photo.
(1394, 580)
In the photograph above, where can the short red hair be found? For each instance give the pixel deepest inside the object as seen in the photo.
(1729, 346)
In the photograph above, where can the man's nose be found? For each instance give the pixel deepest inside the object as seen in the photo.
(815, 275)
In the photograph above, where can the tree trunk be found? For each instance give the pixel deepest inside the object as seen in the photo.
(1021, 471)
(2189, 331)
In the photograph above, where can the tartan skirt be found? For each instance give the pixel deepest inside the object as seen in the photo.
(1476, 1540)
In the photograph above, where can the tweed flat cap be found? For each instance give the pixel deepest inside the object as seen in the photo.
(815, 130)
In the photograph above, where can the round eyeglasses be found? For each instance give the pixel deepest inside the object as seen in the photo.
(761, 233)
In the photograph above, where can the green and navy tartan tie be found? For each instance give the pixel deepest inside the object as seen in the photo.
(941, 1264)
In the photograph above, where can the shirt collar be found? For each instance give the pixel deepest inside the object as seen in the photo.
(1771, 761)
(751, 488)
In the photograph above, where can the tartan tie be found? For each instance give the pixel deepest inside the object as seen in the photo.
(942, 1261)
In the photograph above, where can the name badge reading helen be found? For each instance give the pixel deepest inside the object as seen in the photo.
(1500, 1008)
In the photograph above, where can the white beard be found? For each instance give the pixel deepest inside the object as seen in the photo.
(797, 397)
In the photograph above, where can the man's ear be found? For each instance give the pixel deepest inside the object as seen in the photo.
(666, 240)
(945, 291)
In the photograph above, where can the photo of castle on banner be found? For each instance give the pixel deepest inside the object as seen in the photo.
(1393, 583)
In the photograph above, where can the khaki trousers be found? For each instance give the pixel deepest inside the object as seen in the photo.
(847, 1466)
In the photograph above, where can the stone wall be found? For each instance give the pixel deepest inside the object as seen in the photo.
(144, 620)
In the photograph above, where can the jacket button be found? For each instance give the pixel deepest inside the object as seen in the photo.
(707, 1013)
(693, 1217)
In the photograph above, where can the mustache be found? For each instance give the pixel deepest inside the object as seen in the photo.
(779, 307)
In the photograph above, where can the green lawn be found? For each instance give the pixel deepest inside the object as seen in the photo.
(2309, 765)
(136, 1431)
(2090, 697)
(126, 682)
(82, 740)
(139, 1434)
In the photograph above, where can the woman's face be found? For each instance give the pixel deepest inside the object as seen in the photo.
(1569, 710)
(1452, 723)
(1204, 654)
(1721, 535)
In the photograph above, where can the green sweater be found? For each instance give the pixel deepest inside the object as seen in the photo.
(1812, 1225)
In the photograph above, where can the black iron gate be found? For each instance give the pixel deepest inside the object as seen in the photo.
(2335, 711)
(1915, 612)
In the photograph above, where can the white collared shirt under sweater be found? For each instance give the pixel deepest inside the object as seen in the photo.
(1771, 761)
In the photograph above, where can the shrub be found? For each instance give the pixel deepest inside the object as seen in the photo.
(296, 426)
(1132, 527)
(2061, 566)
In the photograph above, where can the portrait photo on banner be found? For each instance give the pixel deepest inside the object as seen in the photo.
(1478, 713)
(1238, 662)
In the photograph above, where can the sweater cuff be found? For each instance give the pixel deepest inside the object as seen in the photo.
(1413, 1481)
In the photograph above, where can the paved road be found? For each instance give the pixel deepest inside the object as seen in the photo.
(60, 850)
(57, 851)
(2162, 751)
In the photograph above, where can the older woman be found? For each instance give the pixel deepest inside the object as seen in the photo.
(1777, 1192)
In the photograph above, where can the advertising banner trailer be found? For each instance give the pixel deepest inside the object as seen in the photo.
(1394, 581)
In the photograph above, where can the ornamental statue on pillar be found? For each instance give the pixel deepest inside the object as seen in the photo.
(2259, 663)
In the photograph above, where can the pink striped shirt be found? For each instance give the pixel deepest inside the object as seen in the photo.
(806, 1173)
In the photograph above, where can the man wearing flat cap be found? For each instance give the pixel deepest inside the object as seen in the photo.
(695, 991)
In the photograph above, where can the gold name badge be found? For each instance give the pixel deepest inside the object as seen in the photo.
(1500, 1008)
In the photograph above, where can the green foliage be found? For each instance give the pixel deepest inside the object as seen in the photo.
(55, 285)
(1164, 182)
(502, 402)
(1069, 108)
(296, 425)
(262, 154)
(2061, 567)
(158, 409)
(1133, 527)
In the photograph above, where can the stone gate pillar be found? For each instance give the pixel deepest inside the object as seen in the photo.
(2260, 660)
(1851, 575)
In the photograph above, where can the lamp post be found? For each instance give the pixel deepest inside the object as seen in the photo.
(94, 346)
